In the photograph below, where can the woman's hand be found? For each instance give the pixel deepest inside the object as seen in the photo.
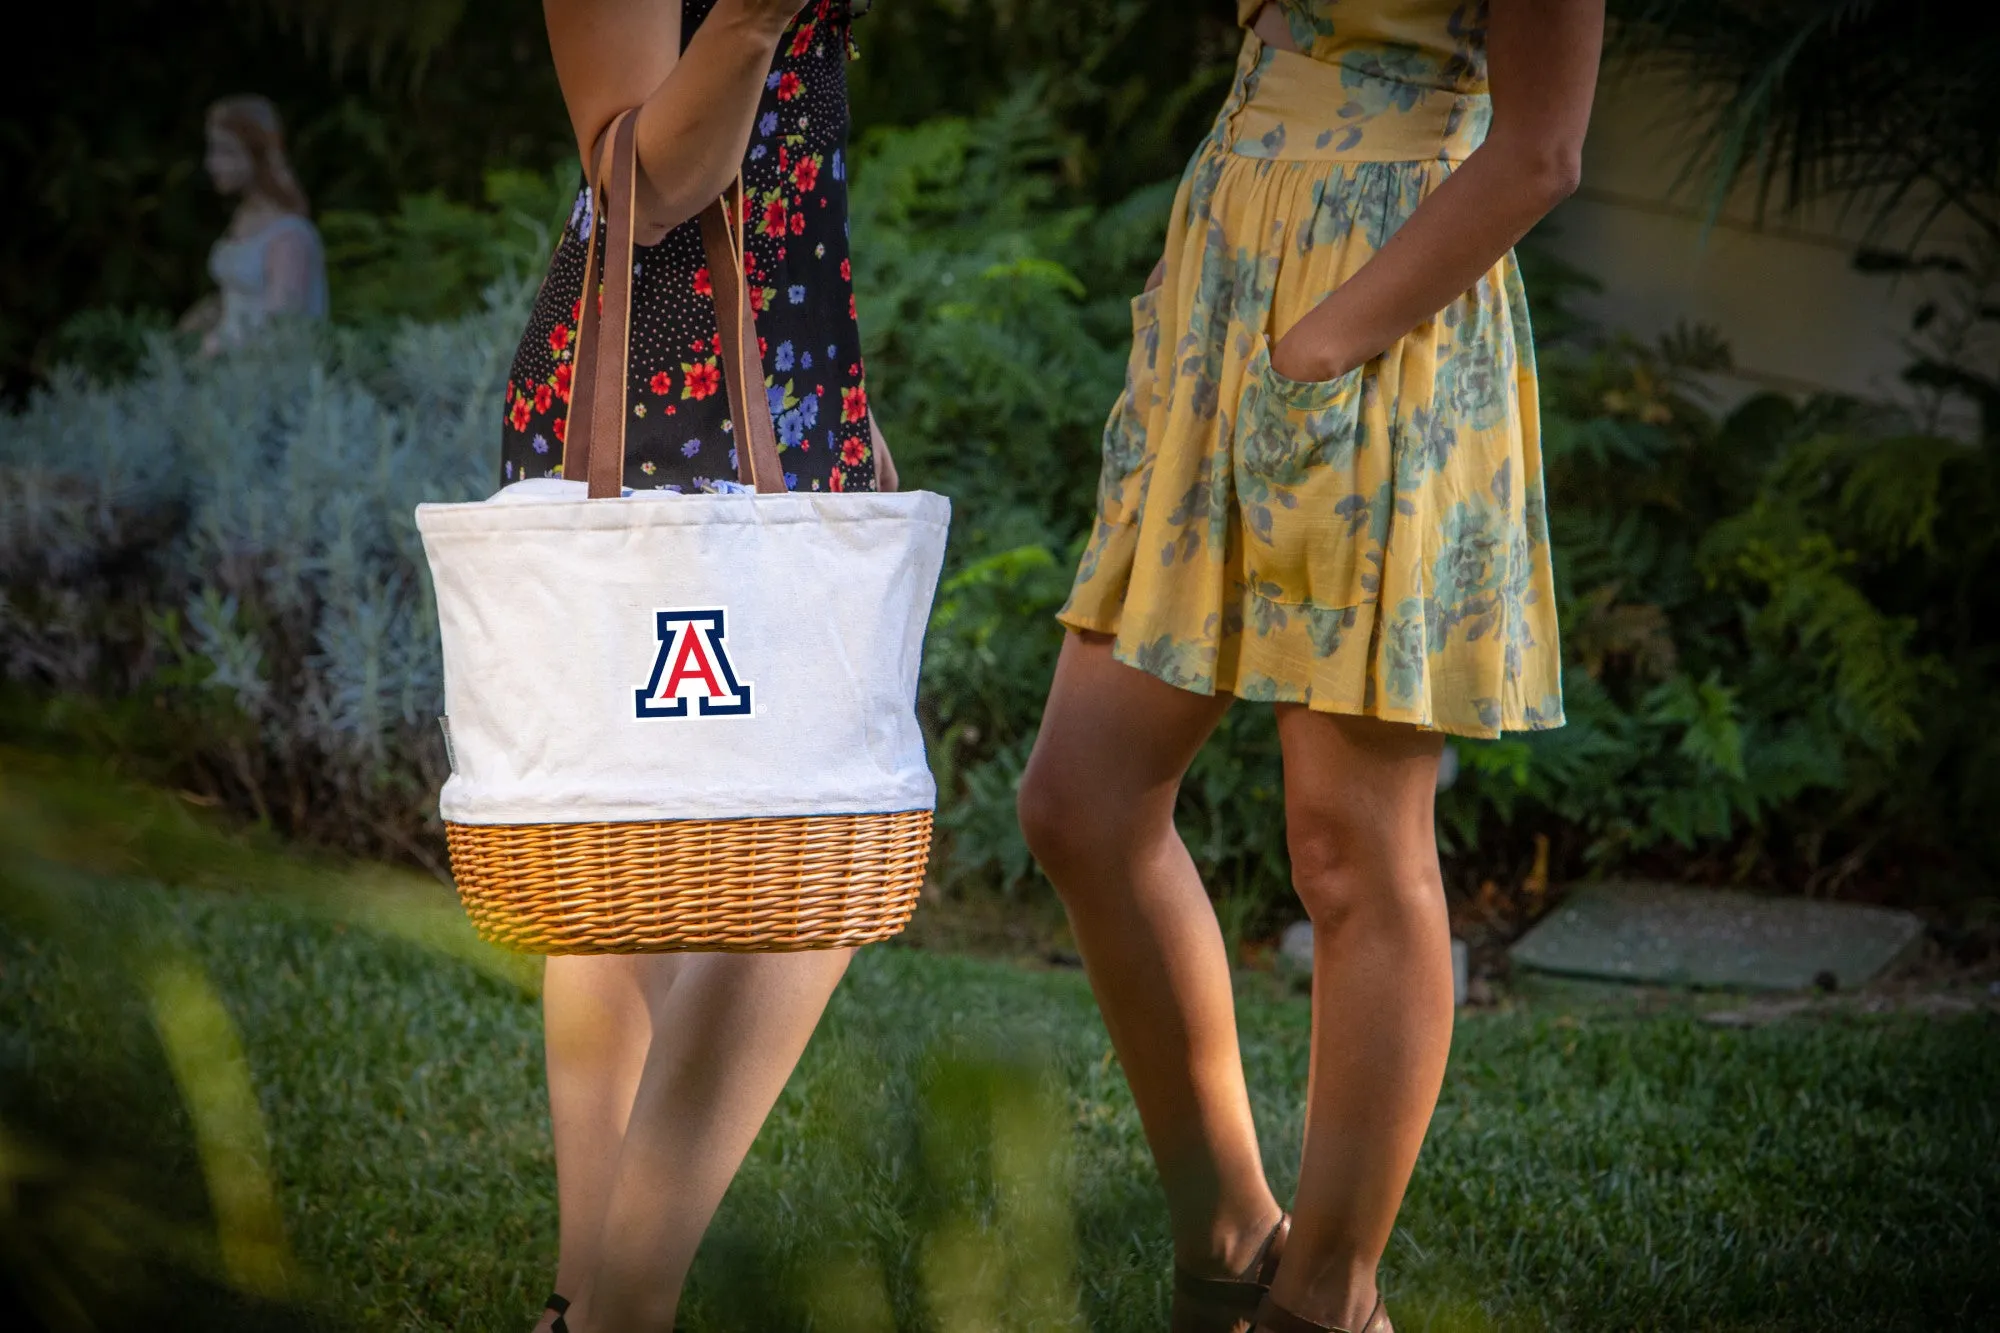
(886, 478)
(202, 316)
(1542, 61)
(1317, 355)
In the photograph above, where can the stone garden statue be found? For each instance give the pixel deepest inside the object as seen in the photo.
(269, 261)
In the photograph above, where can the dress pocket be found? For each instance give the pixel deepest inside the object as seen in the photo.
(1309, 480)
(1125, 449)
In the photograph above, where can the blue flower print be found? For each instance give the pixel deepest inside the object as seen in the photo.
(782, 358)
(507, 469)
(691, 448)
(805, 360)
(797, 294)
(809, 410)
(791, 481)
(832, 352)
(757, 153)
(775, 395)
(839, 166)
(790, 430)
(732, 461)
(772, 81)
(541, 444)
(768, 123)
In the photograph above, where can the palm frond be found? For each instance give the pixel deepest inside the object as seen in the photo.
(1828, 99)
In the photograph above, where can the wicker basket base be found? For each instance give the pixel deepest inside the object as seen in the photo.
(692, 885)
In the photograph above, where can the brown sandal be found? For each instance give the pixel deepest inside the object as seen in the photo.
(1274, 1318)
(1223, 1304)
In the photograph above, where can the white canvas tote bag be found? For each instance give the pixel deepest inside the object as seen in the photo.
(682, 721)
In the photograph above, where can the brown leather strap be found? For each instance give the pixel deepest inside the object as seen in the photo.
(1228, 1302)
(757, 463)
(583, 361)
(594, 437)
(1274, 1318)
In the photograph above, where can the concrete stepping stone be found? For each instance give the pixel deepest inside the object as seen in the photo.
(1668, 934)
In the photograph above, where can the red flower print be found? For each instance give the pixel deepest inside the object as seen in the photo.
(700, 344)
(757, 299)
(564, 373)
(806, 174)
(851, 452)
(518, 418)
(702, 286)
(561, 428)
(774, 218)
(798, 224)
(763, 346)
(576, 311)
(836, 483)
(544, 395)
(784, 158)
(703, 379)
(850, 307)
(510, 393)
(854, 403)
(802, 40)
(662, 382)
(847, 270)
(789, 86)
(558, 337)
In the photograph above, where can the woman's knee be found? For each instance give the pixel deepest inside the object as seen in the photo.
(1047, 807)
(1346, 877)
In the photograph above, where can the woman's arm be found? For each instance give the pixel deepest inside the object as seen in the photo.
(695, 114)
(1542, 61)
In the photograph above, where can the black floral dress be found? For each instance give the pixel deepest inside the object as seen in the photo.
(801, 289)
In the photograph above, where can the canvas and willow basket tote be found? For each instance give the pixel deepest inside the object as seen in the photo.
(682, 722)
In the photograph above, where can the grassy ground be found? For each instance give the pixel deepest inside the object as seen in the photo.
(957, 1151)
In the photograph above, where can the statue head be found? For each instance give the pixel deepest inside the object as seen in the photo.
(246, 152)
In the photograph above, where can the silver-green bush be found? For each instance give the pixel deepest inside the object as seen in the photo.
(233, 541)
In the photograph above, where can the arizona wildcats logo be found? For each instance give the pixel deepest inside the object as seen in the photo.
(692, 664)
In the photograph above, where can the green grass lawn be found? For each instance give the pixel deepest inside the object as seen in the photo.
(958, 1152)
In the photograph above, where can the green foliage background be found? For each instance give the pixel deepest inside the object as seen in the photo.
(1778, 620)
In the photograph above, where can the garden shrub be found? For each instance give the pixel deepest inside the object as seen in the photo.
(222, 555)
(1777, 620)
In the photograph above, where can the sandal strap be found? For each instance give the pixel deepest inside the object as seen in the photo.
(1234, 1292)
(1274, 1318)
(560, 1305)
(1243, 1291)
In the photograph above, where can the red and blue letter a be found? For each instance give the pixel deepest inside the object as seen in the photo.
(692, 666)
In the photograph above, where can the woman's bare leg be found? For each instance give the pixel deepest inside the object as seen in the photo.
(1359, 799)
(597, 1016)
(1097, 805)
(724, 1042)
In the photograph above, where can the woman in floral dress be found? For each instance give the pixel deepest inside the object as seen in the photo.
(662, 1068)
(1321, 490)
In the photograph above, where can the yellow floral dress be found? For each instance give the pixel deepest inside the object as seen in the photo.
(1373, 544)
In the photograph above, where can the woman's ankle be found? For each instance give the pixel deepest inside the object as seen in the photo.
(1341, 1294)
(1228, 1241)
